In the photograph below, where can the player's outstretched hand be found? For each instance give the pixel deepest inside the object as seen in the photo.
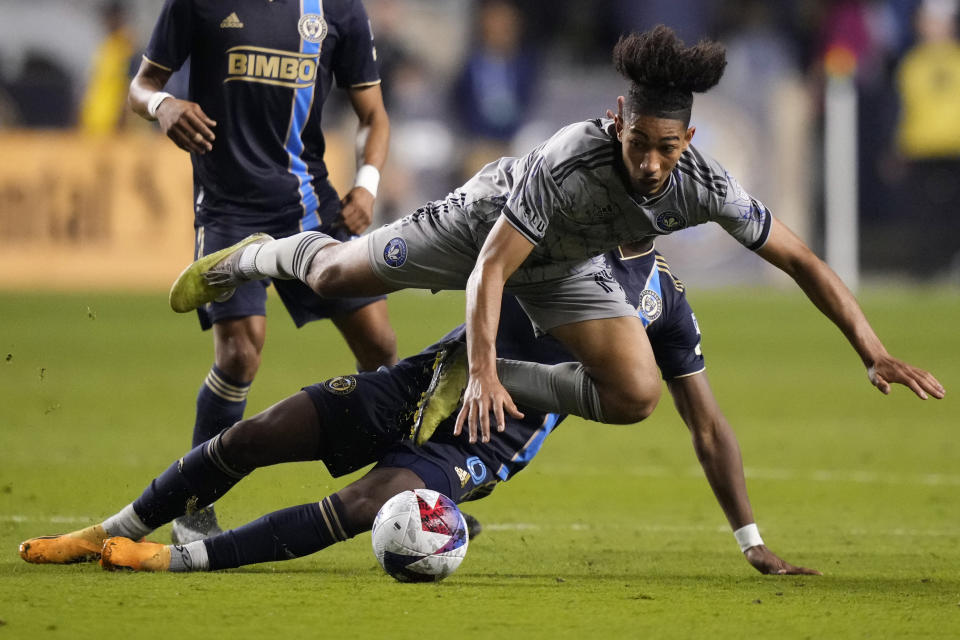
(357, 211)
(767, 562)
(187, 125)
(484, 394)
(889, 369)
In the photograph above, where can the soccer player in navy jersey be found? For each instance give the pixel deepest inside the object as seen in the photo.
(260, 74)
(530, 226)
(350, 421)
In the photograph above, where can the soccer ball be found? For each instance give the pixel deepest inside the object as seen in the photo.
(419, 536)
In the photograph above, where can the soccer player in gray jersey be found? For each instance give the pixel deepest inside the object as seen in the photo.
(533, 225)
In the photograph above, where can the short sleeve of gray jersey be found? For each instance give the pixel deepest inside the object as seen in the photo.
(743, 216)
(535, 198)
(727, 203)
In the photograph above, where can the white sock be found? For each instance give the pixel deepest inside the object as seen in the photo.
(286, 258)
(189, 557)
(247, 264)
(126, 523)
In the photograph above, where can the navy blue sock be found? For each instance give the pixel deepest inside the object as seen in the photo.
(220, 403)
(193, 482)
(282, 535)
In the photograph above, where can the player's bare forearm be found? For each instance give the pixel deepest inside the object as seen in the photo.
(483, 292)
(149, 79)
(715, 444)
(373, 139)
(824, 288)
(830, 295)
(502, 252)
(182, 121)
(719, 454)
(374, 125)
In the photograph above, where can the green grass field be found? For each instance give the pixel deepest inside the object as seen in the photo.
(612, 532)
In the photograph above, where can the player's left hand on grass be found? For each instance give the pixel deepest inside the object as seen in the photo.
(357, 210)
(888, 369)
(767, 562)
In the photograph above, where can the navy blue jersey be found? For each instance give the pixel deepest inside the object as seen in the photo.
(262, 70)
(363, 416)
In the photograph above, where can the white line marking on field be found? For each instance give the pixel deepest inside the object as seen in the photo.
(811, 475)
(17, 518)
(858, 477)
(663, 528)
(571, 526)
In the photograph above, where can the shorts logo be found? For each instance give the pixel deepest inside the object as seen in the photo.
(395, 253)
(312, 27)
(670, 221)
(651, 306)
(478, 470)
(463, 475)
(341, 385)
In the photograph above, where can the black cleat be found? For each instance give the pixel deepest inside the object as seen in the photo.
(474, 528)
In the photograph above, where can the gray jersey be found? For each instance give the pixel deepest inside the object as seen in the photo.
(571, 198)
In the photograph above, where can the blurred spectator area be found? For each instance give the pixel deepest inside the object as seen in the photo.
(466, 81)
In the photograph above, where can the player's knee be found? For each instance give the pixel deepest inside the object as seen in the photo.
(239, 359)
(325, 276)
(379, 349)
(360, 505)
(628, 406)
(244, 443)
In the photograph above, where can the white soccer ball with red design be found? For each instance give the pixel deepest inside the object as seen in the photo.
(419, 536)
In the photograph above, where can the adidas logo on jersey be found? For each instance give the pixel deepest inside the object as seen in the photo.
(231, 22)
(463, 475)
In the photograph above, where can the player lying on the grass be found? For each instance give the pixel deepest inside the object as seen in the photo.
(530, 226)
(350, 421)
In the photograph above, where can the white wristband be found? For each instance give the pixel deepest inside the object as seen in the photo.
(748, 536)
(368, 177)
(153, 102)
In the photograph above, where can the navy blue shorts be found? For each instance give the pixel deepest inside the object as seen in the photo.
(366, 418)
(453, 469)
(363, 415)
(250, 299)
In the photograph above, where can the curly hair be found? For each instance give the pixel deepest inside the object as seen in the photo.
(664, 74)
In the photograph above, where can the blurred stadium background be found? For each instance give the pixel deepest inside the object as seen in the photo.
(614, 532)
(84, 182)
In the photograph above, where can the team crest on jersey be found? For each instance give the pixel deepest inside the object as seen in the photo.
(671, 221)
(312, 27)
(651, 306)
(395, 253)
(341, 385)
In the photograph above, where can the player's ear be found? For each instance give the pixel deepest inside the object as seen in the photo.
(618, 118)
(688, 136)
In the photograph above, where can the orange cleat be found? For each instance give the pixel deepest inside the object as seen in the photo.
(124, 553)
(79, 546)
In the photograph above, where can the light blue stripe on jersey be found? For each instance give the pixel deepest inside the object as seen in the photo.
(303, 100)
(652, 284)
(523, 457)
